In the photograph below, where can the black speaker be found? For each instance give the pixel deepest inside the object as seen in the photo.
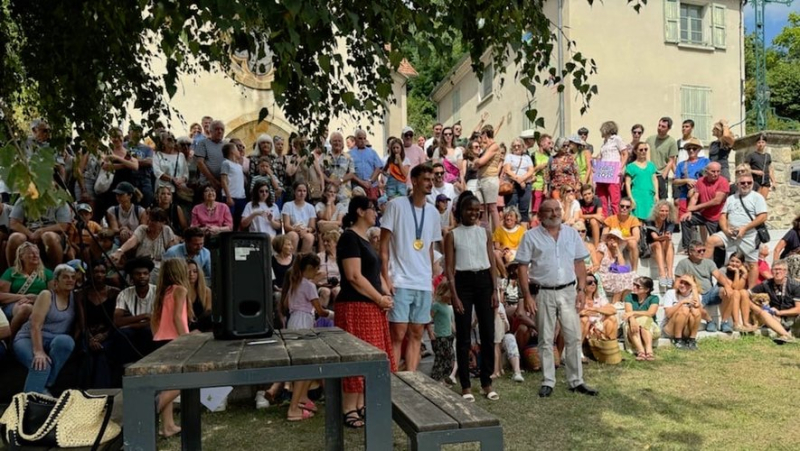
(242, 285)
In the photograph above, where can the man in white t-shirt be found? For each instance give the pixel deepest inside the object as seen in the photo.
(742, 214)
(409, 228)
(441, 187)
(132, 315)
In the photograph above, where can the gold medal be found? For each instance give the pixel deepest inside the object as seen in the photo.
(418, 245)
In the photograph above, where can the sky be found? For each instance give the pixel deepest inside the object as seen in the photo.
(775, 18)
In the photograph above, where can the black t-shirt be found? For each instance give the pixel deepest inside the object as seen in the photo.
(719, 153)
(352, 245)
(781, 300)
(667, 226)
(591, 208)
(792, 239)
(760, 162)
(280, 271)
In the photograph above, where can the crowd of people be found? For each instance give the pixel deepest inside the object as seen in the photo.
(534, 246)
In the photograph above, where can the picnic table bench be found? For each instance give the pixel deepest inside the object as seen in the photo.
(195, 361)
(432, 415)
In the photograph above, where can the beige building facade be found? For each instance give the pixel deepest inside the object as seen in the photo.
(236, 97)
(682, 59)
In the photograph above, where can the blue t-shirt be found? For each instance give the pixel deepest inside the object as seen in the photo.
(365, 161)
(690, 170)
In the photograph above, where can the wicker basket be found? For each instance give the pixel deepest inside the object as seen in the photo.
(531, 359)
(606, 351)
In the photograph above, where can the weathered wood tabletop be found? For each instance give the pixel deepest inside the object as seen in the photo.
(201, 353)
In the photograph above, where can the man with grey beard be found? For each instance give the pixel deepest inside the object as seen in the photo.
(551, 267)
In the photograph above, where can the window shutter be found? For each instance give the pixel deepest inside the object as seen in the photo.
(718, 34)
(672, 17)
(456, 104)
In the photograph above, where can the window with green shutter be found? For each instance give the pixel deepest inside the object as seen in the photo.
(696, 105)
(718, 34)
(487, 82)
(456, 104)
(695, 23)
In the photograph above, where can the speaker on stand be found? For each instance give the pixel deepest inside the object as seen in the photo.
(242, 285)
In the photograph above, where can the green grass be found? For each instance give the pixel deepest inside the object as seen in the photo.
(731, 394)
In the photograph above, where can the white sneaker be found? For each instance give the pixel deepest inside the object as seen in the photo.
(518, 377)
(452, 380)
(261, 401)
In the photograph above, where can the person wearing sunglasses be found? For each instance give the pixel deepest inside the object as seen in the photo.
(705, 271)
(598, 316)
(781, 315)
(688, 172)
(639, 320)
(615, 273)
(569, 205)
(682, 313)
(629, 226)
(641, 182)
(743, 213)
(637, 131)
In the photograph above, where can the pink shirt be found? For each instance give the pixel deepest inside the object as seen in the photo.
(220, 216)
(166, 327)
(302, 297)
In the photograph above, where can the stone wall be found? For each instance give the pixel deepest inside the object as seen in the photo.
(784, 201)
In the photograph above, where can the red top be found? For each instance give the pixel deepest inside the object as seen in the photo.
(706, 191)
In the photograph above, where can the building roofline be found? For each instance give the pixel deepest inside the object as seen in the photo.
(457, 69)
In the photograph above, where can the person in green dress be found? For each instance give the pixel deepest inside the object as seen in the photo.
(641, 182)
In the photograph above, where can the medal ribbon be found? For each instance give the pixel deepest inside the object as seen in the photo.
(417, 225)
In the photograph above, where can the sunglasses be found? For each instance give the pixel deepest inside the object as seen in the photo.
(409, 135)
(636, 285)
(745, 183)
(263, 191)
(438, 174)
(569, 190)
(624, 207)
(591, 282)
(448, 134)
(582, 232)
(636, 132)
(700, 250)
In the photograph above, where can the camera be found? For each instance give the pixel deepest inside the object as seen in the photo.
(333, 281)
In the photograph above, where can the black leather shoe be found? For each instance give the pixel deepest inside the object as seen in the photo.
(545, 391)
(584, 390)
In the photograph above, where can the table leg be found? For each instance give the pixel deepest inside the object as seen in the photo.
(139, 419)
(191, 436)
(378, 402)
(334, 435)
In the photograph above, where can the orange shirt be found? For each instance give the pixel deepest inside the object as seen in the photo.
(612, 222)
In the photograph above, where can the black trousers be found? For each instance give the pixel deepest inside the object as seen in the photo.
(662, 187)
(474, 289)
(688, 228)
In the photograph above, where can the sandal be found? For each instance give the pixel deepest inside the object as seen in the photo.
(469, 397)
(352, 420)
(303, 416)
(492, 395)
(309, 406)
(362, 412)
(640, 357)
(649, 357)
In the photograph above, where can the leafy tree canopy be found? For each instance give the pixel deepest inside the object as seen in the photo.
(81, 65)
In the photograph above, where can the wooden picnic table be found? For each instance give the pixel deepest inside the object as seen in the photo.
(196, 361)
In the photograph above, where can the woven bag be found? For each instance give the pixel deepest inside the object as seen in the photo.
(76, 419)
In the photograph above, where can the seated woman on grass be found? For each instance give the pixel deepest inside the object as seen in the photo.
(598, 317)
(639, 320)
(735, 299)
(682, 313)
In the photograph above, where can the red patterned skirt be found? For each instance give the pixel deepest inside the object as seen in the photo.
(368, 322)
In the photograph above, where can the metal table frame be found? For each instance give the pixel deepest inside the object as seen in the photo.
(139, 407)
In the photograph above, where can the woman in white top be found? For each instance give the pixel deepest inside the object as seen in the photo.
(300, 219)
(569, 205)
(613, 150)
(261, 214)
(471, 271)
(169, 165)
(150, 240)
(232, 178)
(328, 275)
(518, 168)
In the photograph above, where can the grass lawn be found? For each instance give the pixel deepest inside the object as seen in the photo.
(731, 394)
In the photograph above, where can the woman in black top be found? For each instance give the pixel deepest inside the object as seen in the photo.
(282, 260)
(658, 233)
(761, 165)
(99, 303)
(363, 300)
(199, 297)
(788, 248)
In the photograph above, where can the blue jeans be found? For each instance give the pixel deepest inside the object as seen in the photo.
(395, 188)
(59, 348)
(520, 198)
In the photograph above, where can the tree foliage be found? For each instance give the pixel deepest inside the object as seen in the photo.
(83, 65)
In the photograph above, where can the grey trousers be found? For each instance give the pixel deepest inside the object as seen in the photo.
(552, 306)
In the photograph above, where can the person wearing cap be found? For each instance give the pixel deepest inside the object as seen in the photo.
(446, 218)
(688, 172)
(687, 134)
(133, 310)
(583, 157)
(583, 133)
(552, 268)
(47, 232)
(562, 169)
(613, 151)
(413, 152)
(126, 216)
(141, 177)
(83, 224)
(440, 187)
(529, 138)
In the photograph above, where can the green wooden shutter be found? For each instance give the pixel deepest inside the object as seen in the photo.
(456, 104)
(672, 17)
(718, 34)
(696, 105)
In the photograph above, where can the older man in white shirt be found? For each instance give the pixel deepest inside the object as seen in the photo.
(551, 267)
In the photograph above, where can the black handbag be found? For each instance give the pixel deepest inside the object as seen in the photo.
(762, 233)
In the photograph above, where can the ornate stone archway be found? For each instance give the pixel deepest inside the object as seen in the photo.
(247, 128)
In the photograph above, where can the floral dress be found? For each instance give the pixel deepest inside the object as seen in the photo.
(613, 282)
(563, 171)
